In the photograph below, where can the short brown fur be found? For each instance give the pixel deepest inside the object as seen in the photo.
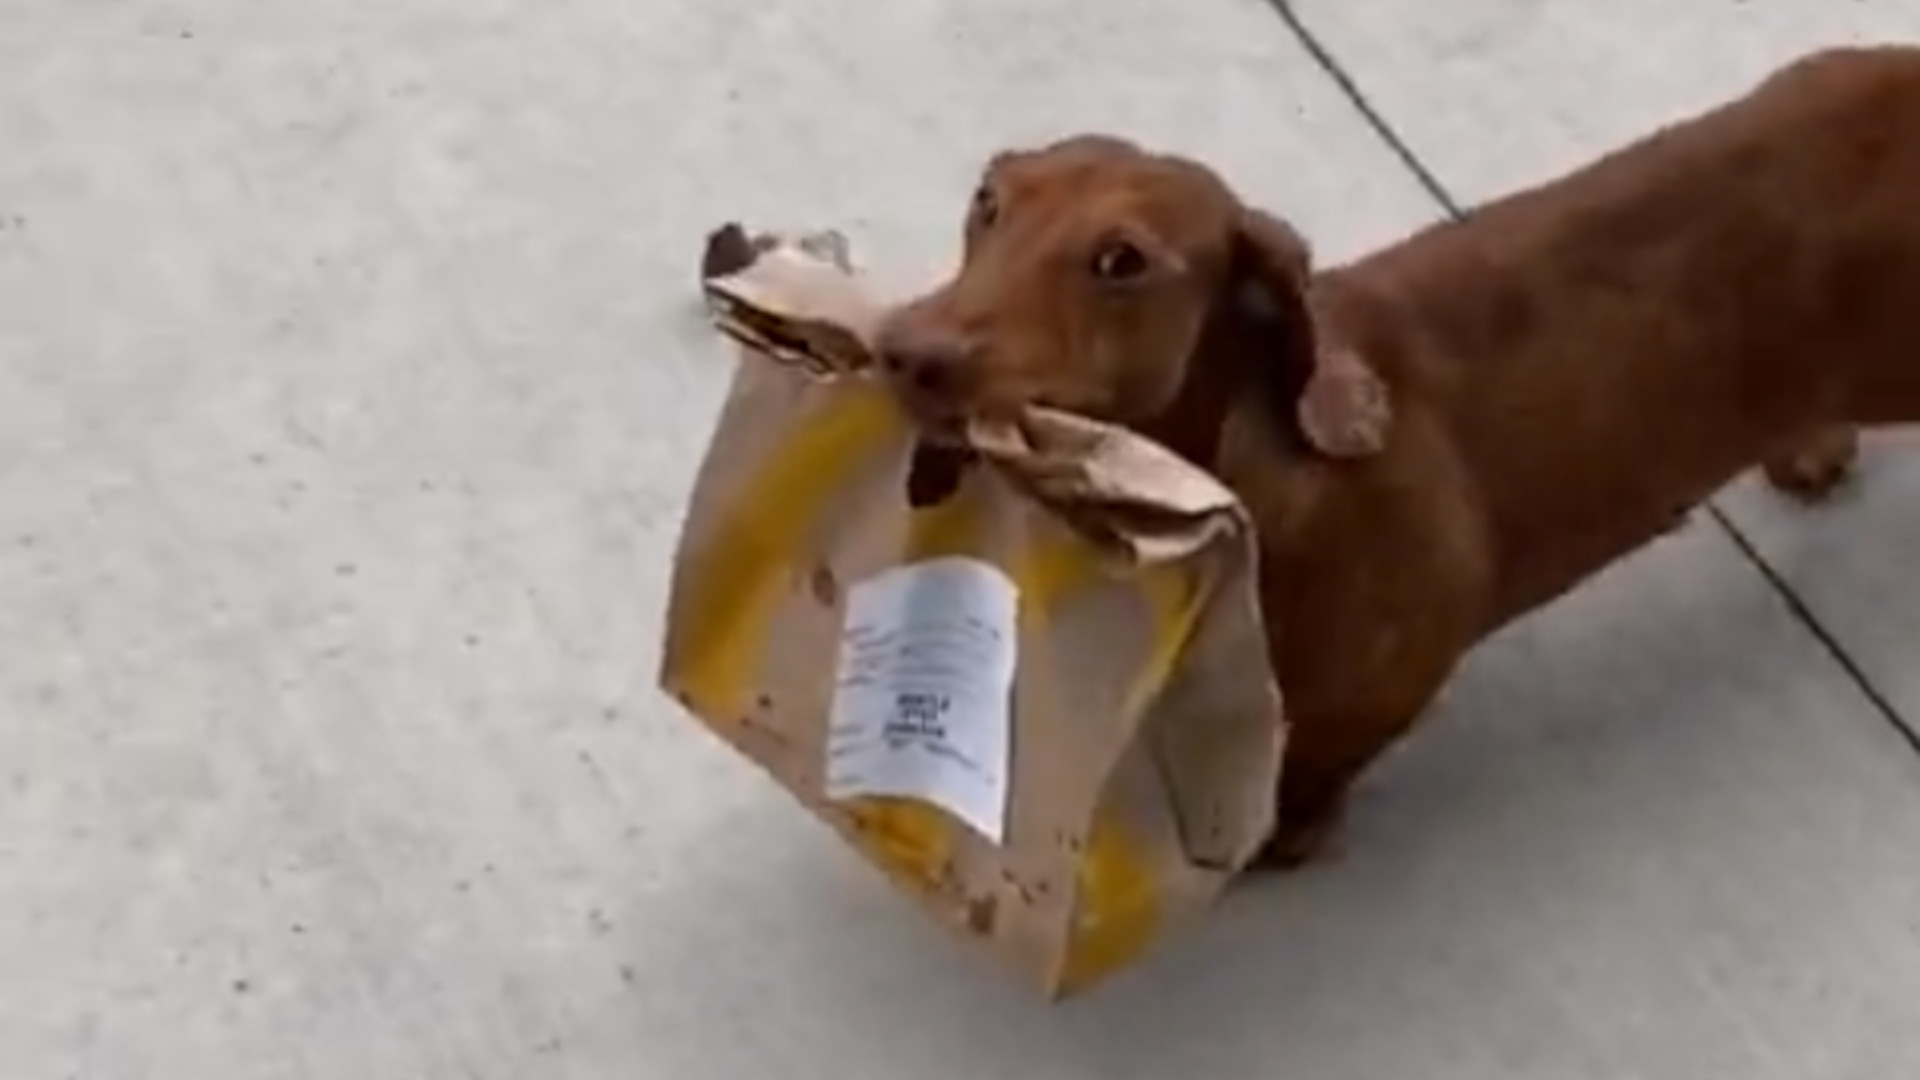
(1445, 435)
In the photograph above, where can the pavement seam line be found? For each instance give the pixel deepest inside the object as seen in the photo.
(1796, 606)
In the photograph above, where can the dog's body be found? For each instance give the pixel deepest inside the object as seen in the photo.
(1445, 435)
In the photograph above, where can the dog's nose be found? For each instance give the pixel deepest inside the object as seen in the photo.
(935, 366)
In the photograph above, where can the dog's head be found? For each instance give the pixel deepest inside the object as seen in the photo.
(1123, 285)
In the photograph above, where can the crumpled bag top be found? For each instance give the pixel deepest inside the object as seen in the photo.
(799, 300)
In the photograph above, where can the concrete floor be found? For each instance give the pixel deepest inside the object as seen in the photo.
(349, 383)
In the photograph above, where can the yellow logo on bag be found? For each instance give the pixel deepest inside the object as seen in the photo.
(1117, 911)
(735, 586)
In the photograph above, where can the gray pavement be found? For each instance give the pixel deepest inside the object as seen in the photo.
(349, 385)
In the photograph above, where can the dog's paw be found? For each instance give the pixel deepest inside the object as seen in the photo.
(1812, 471)
(1298, 842)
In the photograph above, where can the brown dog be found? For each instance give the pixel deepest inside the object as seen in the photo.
(1455, 430)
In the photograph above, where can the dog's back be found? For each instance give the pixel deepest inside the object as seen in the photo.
(1653, 323)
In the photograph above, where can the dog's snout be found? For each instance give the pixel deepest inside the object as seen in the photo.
(932, 364)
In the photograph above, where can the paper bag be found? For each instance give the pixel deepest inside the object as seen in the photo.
(1042, 705)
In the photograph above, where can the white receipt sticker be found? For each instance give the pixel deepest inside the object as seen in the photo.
(923, 693)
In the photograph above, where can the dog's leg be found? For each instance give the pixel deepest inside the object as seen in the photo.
(1814, 467)
(1324, 755)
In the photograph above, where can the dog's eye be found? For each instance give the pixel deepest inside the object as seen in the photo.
(1118, 261)
(986, 208)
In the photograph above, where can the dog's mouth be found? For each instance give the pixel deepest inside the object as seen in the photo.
(941, 417)
(936, 425)
(947, 433)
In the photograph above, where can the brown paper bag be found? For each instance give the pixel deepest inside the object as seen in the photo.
(1042, 705)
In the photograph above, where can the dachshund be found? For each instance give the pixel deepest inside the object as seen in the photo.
(1448, 433)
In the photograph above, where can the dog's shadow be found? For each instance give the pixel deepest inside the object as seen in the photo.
(1601, 782)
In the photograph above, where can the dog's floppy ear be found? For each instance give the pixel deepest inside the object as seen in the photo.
(1342, 408)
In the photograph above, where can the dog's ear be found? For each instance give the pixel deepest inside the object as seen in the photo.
(1341, 406)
